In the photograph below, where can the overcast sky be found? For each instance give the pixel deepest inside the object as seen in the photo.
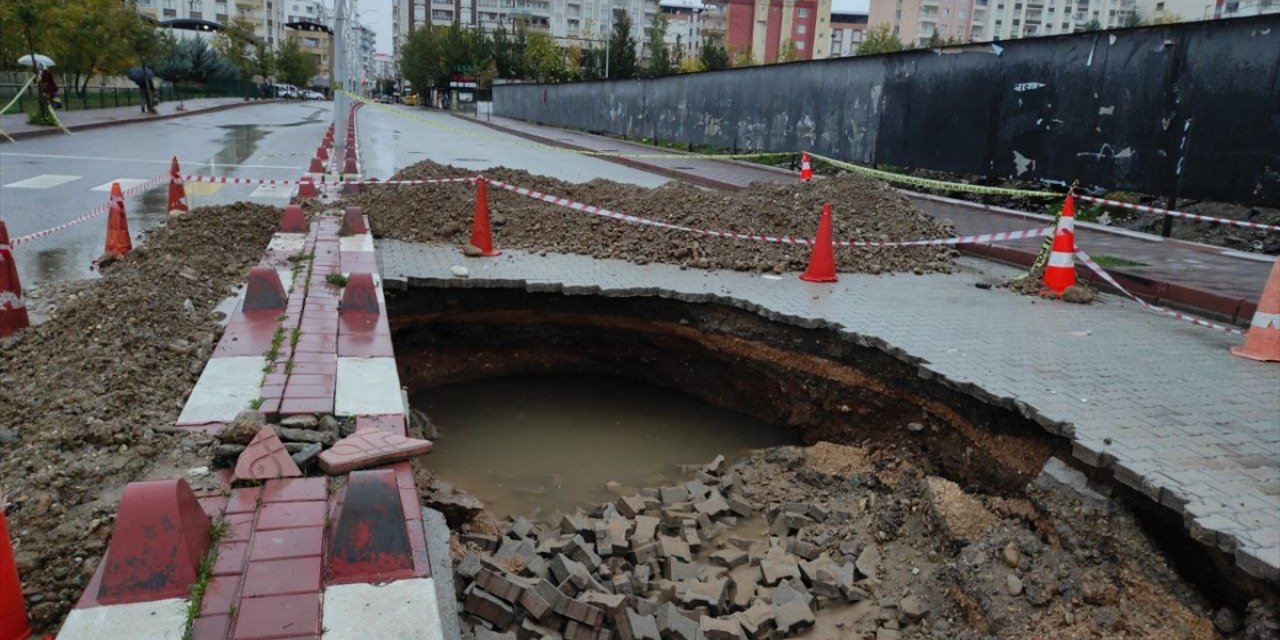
(377, 14)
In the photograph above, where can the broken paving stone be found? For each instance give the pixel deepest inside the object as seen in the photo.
(307, 454)
(714, 506)
(697, 490)
(300, 422)
(720, 628)
(645, 531)
(305, 435)
(674, 625)
(712, 594)
(563, 567)
(729, 558)
(579, 550)
(788, 592)
(481, 540)
(792, 617)
(677, 570)
(488, 607)
(580, 611)
(670, 547)
(741, 507)
(715, 467)
(612, 603)
(868, 562)
(674, 495)
(634, 626)
(774, 571)
(511, 549)
(520, 528)
(758, 621)
(502, 586)
(265, 459)
(630, 506)
(369, 449)
(803, 549)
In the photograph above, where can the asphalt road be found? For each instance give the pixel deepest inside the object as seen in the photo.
(393, 137)
(59, 178)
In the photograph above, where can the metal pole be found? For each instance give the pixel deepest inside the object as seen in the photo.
(608, 36)
(338, 79)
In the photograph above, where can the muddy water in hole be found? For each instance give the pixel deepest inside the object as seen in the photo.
(528, 443)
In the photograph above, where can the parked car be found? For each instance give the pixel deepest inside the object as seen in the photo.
(386, 99)
(411, 100)
(312, 95)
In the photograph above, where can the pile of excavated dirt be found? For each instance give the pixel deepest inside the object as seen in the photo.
(863, 209)
(86, 397)
(797, 542)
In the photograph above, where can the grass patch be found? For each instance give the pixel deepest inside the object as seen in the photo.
(1108, 262)
(257, 403)
(217, 531)
(294, 335)
(274, 351)
(336, 279)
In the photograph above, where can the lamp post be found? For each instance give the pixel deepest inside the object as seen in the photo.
(339, 80)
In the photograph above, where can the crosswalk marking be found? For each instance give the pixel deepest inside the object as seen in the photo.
(42, 181)
(125, 184)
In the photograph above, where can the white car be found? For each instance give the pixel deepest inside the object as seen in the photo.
(312, 95)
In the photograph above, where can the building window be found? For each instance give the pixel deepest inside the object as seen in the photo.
(946, 13)
(800, 45)
(1159, 6)
(962, 14)
(801, 29)
(803, 13)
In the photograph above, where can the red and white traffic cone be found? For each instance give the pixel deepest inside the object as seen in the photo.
(308, 188)
(118, 241)
(13, 311)
(1060, 271)
(13, 609)
(822, 262)
(1263, 340)
(481, 233)
(177, 190)
(806, 169)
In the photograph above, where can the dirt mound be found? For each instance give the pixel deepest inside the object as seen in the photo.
(864, 209)
(83, 395)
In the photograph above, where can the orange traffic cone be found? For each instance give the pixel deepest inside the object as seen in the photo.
(307, 189)
(177, 191)
(317, 166)
(1263, 340)
(13, 610)
(117, 196)
(322, 153)
(481, 234)
(13, 311)
(806, 170)
(1060, 272)
(822, 262)
(118, 241)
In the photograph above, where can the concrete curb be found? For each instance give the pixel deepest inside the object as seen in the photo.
(36, 133)
(1217, 306)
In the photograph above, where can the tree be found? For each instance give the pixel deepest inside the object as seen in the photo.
(573, 59)
(92, 39)
(192, 61)
(712, 56)
(879, 39)
(622, 48)
(1092, 25)
(788, 52)
(691, 65)
(295, 66)
(32, 18)
(236, 44)
(1134, 19)
(418, 61)
(1161, 18)
(659, 57)
(744, 59)
(149, 45)
(543, 58)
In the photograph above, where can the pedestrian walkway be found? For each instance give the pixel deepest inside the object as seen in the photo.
(15, 124)
(1160, 403)
(1206, 278)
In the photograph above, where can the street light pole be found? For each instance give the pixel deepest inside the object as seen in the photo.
(608, 37)
(338, 80)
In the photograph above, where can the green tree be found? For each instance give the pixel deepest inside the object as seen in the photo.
(418, 61)
(788, 52)
(91, 38)
(712, 56)
(34, 20)
(149, 45)
(659, 57)
(1161, 18)
(691, 65)
(1092, 25)
(879, 39)
(543, 58)
(295, 66)
(622, 48)
(744, 59)
(236, 44)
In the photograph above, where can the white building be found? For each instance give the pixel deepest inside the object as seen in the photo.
(1188, 10)
(266, 16)
(684, 28)
(581, 22)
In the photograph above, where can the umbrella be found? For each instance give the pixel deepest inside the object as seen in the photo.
(40, 59)
(139, 74)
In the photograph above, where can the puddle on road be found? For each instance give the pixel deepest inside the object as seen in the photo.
(525, 443)
(239, 142)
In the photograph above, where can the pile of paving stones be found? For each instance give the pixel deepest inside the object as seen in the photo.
(656, 566)
(863, 209)
(304, 436)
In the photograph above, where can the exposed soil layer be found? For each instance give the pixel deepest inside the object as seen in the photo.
(863, 209)
(85, 396)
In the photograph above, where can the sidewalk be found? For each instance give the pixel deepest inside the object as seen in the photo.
(15, 124)
(1207, 279)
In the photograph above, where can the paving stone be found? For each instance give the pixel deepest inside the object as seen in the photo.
(803, 549)
(579, 550)
(741, 507)
(758, 621)
(712, 593)
(645, 530)
(612, 603)
(788, 592)
(773, 571)
(634, 626)
(671, 547)
(674, 625)
(499, 585)
(792, 617)
(674, 495)
(370, 448)
(511, 549)
(630, 506)
(729, 558)
(714, 506)
(677, 570)
(488, 607)
(582, 612)
(265, 459)
(720, 628)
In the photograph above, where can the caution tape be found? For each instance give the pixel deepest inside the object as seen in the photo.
(94, 212)
(1179, 214)
(284, 181)
(935, 185)
(1102, 273)
(985, 238)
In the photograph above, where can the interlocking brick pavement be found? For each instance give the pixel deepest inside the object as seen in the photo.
(1161, 403)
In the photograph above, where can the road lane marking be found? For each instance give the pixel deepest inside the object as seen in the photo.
(273, 191)
(184, 163)
(42, 181)
(125, 184)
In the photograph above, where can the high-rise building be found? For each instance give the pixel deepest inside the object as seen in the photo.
(684, 28)
(919, 22)
(266, 16)
(762, 28)
(1185, 10)
(847, 29)
(586, 23)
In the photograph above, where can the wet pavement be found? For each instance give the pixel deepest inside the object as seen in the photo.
(59, 178)
(390, 141)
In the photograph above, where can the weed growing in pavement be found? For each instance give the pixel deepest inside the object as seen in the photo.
(288, 367)
(274, 352)
(1108, 262)
(294, 334)
(336, 279)
(257, 403)
(217, 531)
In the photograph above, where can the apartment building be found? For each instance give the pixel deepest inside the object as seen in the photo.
(916, 22)
(847, 30)
(266, 16)
(763, 27)
(586, 23)
(1186, 10)
(684, 28)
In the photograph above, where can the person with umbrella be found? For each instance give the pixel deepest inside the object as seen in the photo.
(49, 86)
(144, 78)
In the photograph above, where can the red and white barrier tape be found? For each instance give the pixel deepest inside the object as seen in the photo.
(94, 212)
(282, 181)
(1102, 273)
(1179, 214)
(617, 215)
